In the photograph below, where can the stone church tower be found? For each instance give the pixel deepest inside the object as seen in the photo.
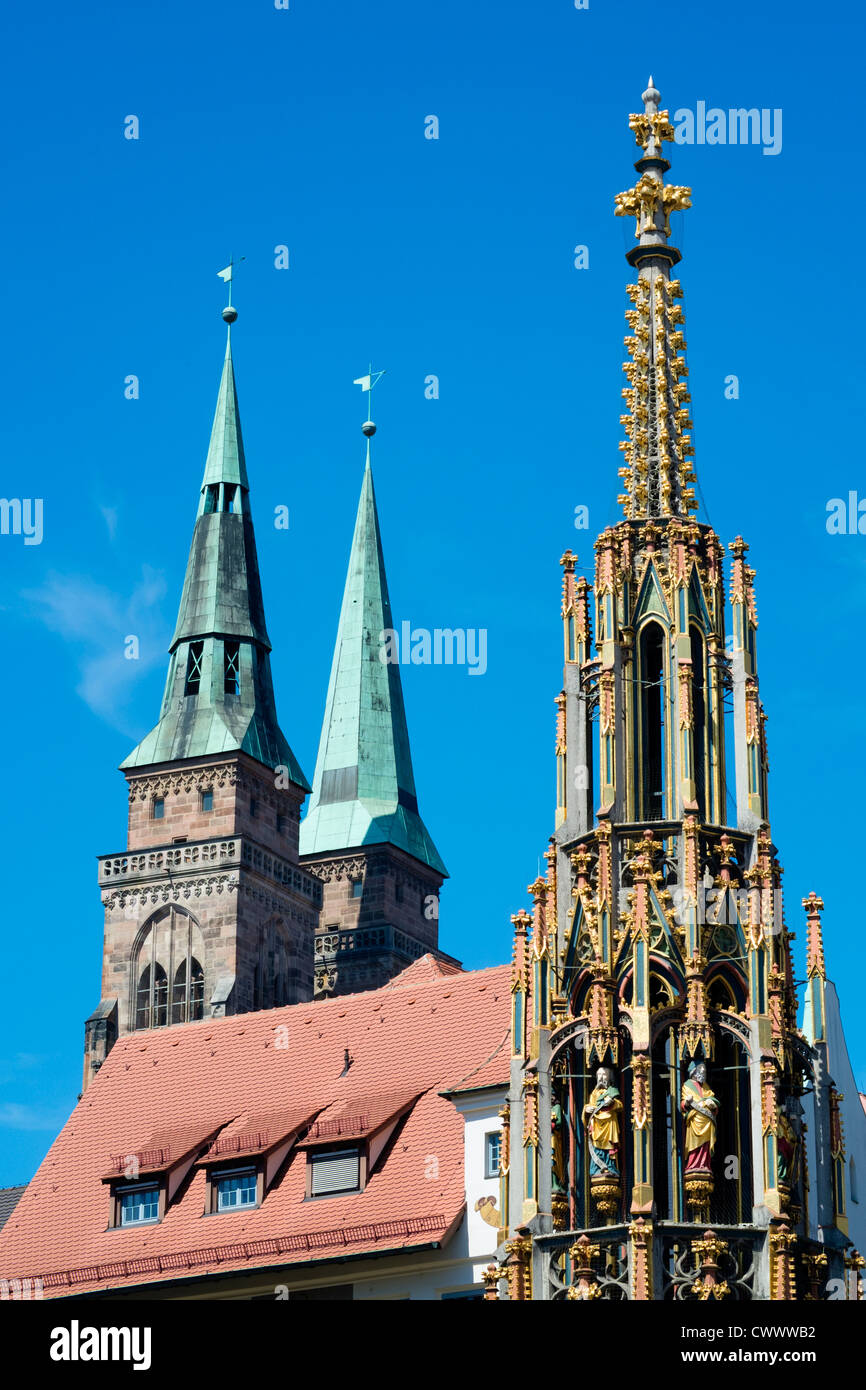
(207, 911)
(363, 836)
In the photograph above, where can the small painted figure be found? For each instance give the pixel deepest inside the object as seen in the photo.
(700, 1108)
(601, 1117)
(789, 1145)
(556, 1141)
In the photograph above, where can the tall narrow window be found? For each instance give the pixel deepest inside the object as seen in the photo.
(187, 1002)
(158, 808)
(699, 710)
(652, 707)
(232, 661)
(207, 800)
(160, 997)
(142, 1002)
(151, 1005)
(211, 498)
(230, 497)
(193, 668)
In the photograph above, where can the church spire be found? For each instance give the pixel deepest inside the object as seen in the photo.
(218, 695)
(658, 473)
(364, 786)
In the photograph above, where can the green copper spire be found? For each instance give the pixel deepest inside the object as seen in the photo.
(364, 787)
(218, 696)
(225, 457)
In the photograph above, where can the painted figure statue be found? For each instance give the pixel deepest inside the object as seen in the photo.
(700, 1108)
(558, 1156)
(789, 1146)
(601, 1117)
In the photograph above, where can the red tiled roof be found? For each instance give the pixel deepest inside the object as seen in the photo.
(230, 1075)
(254, 1134)
(427, 967)
(359, 1118)
(163, 1149)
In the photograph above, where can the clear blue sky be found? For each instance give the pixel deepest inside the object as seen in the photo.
(453, 257)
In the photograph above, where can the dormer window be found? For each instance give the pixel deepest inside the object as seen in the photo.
(336, 1171)
(193, 668)
(137, 1204)
(235, 1189)
(232, 668)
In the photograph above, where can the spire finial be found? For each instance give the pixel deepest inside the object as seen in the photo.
(367, 383)
(230, 313)
(651, 97)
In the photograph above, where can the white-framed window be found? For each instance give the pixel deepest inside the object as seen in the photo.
(139, 1205)
(236, 1189)
(492, 1153)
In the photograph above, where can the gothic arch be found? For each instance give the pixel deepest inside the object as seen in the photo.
(271, 965)
(169, 947)
(653, 718)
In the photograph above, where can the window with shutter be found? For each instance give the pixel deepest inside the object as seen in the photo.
(337, 1171)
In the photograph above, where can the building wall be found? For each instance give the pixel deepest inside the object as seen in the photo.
(364, 939)
(232, 870)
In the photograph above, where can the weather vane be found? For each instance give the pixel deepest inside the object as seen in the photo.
(367, 383)
(229, 312)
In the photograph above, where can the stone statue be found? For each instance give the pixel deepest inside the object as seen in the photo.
(699, 1107)
(601, 1117)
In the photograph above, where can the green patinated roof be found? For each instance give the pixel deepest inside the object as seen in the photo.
(364, 787)
(221, 601)
(225, 456)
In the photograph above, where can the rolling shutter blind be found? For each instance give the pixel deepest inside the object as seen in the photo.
(336, 1172)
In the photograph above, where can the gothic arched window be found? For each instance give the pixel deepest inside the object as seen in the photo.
(699, 720)
(271, 966)
(151, 1005)
(187, 1000)
(170, 947)
(652, 721)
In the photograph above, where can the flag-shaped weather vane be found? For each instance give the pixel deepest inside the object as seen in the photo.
(367, 383)
(230, 313)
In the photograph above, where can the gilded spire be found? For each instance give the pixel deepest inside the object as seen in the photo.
(658, 473)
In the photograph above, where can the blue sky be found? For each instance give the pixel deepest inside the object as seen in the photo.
(453, 257)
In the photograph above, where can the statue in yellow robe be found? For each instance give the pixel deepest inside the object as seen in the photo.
(700, 1108)
(601, 1117)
